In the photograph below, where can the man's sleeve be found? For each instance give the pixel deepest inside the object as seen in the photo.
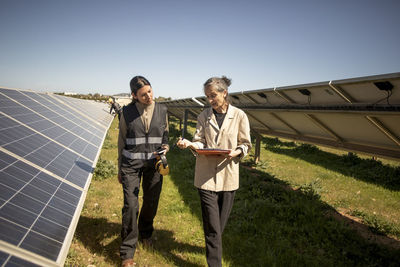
(121, 140)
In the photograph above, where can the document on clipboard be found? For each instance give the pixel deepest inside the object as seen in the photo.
(212, 151)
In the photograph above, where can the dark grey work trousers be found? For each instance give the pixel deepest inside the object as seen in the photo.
(132, 230)
(215, 208)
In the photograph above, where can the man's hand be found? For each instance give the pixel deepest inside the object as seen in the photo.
(119, 178)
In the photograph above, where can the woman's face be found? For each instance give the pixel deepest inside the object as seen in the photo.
(217, 99)
(144, 95)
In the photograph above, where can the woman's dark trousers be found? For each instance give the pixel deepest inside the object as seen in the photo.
(132, 230)
(215, 207)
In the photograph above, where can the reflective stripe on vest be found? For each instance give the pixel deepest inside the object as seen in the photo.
(142, 140)
(143, 156)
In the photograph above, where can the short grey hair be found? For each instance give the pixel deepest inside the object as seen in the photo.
(220, 84)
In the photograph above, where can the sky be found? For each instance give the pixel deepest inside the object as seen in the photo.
(97, 46)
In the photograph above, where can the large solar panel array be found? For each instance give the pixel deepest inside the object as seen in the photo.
(49, 145)
(359, 114)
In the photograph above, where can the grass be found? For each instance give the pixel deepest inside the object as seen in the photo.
(346, 182)
(300, 206)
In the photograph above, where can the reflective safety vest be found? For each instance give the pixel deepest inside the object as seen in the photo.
(139, 145)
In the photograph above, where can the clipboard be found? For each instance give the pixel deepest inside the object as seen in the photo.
(212, 151)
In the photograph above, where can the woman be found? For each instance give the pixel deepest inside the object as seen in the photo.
(143, 130)
(222, 126)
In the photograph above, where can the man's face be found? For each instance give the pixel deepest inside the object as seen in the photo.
(144, 95)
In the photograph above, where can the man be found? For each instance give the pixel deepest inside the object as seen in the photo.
(116, 107)
(143, 130)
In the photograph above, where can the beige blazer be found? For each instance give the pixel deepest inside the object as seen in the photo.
(217, 173)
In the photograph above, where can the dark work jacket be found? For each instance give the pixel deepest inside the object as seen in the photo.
(139, 145)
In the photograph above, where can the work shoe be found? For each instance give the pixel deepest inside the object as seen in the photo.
(128, 263)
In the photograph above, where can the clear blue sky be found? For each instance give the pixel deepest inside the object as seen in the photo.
(94, 46)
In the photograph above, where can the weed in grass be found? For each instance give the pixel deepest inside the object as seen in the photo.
(312, 190)
(262, 164)
(341, 203)
(377, 225)
(104, 169)
(307, 148)
(108, 142)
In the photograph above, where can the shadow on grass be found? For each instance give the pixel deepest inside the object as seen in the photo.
(273, 225)
(167, 246)
(94, 232)
(368, 170)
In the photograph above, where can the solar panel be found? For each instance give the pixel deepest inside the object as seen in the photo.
(359, 114)
(48, 149)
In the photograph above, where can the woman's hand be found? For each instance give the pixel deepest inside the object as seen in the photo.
(166, 149)
(184, 143)
(234, 153)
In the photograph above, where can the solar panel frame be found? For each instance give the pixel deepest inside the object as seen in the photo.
(48, 170)
(305, 112)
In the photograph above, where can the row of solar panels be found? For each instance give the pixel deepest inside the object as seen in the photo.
(359, 114)
(49, 145)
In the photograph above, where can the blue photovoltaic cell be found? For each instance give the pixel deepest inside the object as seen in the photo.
(11, 232)
(3, 256)
(36, 193)
(54, 132)
(62, 205)
(17, 215)
(12, 135)
(93, 139)
(49, 128)
(5, 160)
(37, 207)
(31, 104)
(75, 116)
(40, 125)
(79, 172)
(57, 159)
(85, 149)
(42, 245)
(10, 184)
(89, 110)
(28, 202)
(57, 216)
(7, 123)
(50, 229)
(15, 110)
(26, 144)
(5, 193)
(46, 183)
(14, 261)
(69, 194)
(90, 152)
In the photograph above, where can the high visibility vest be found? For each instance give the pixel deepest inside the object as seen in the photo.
(139, 145)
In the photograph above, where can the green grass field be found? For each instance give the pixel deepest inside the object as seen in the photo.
(301, 205)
